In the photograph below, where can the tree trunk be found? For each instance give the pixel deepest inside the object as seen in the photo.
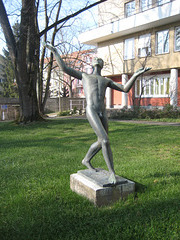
(46, 95)
(25, 57)
(28, 62)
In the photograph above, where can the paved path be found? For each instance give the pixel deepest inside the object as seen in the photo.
(127, 121)
(150, 122)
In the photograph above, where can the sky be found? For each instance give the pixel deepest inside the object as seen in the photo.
(83, 22)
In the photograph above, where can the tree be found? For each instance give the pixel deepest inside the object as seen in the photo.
(25, 52)
(8, 84)
(25, 57)
(42, 101)
(64, 92)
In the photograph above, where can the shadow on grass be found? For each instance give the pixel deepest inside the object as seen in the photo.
(73, 217)
(139, 188)
(50, 123)
(53, 141)
(158, 174)
(139, 128)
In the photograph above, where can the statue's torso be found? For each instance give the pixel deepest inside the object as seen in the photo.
(94, 89)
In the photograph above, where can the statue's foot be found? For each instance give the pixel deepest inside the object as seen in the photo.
(88, 165)
(112, 179)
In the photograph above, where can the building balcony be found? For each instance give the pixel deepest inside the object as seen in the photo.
(151, 18)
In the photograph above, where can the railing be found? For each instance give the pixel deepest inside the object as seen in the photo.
(80, 104)
(119, 26)
(140, 9)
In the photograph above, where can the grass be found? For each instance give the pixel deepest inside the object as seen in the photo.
(36, 201)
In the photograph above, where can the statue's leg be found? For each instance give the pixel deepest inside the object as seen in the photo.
(100, 127)
(107, 153)
(95, 147)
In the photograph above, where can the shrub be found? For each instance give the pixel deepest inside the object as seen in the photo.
(141, 113)
(74, 111)
(64, 113)
(171, 112)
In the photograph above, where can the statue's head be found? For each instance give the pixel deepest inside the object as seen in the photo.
(98, 61)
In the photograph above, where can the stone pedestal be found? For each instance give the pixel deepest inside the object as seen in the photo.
(95, 187)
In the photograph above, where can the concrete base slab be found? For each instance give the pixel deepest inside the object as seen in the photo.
(95, 187)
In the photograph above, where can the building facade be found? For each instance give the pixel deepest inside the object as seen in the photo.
(139, 33)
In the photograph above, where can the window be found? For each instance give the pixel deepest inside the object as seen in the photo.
(129, 49)
(177, 39)
(130, 8)
(157, 86)
(144, 45)
(145, 4)
(162, 42)
(160, 2)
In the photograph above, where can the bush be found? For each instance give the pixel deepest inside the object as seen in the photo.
(171, 112)
(141, 113)
(64, 113)
(74, 111)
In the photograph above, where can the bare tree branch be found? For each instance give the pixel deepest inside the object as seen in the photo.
(43, 102)
(70, 16)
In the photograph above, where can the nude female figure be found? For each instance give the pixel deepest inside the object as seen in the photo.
(94, 88)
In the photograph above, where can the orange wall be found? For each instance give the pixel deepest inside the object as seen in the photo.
(116, 96)
(153, 101)
(131, 95)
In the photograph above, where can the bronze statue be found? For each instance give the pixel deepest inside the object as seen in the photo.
(94, 88)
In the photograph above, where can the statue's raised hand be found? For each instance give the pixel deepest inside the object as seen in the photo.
(141, 71)
(49, 46)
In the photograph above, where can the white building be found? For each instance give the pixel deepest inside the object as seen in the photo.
(136, 33)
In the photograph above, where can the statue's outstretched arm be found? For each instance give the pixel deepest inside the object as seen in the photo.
(128, 85)
(70, 71)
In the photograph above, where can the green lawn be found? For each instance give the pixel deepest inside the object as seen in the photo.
(36, 161)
